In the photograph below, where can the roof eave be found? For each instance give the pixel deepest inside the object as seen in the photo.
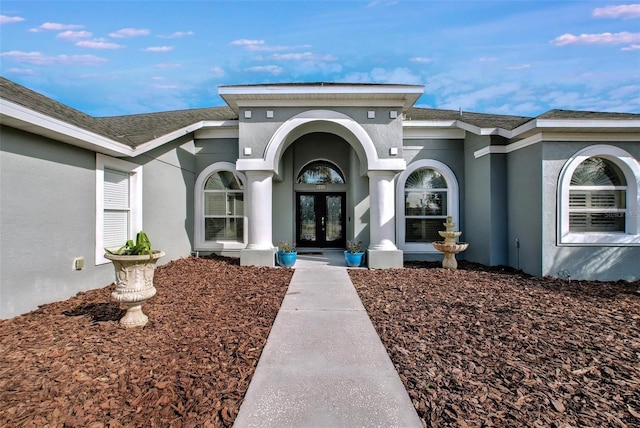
(21, 117)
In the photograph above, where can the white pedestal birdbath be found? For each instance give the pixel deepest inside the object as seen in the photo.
(449, 246)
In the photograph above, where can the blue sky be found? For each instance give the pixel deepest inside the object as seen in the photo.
(509, 57)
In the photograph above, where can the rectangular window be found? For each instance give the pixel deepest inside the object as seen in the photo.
(424, 214)
(423, 230)
(223, 215)
(118, 203)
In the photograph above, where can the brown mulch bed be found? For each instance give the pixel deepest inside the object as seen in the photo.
(70, 364)
(487, 347)
(475, 347)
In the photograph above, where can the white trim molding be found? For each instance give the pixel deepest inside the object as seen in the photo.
(200, 243)
(631, 170)
(322, 120)
(453, 202)
(556, 137)
(135, 199)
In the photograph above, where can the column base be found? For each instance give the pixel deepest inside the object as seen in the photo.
(385, 259)
(258, 257)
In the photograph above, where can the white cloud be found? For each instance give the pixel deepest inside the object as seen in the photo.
(98, 44)
(519, 67)
(168, 65)
(21, 71)
(303, 56)
(247, 43)
(158, 49)
(421, 59)
(37, 58)
(4, 19)
(129, 32)
(177, 35)
(271, 69)
(261, 46)
(631, 48)
(217, 71)
(380, 75)
(626, 11)
(488, 59)
(54, 26)
(74, 35)
(592, 39)
(381, 3)
(473, 99)
(166, 87)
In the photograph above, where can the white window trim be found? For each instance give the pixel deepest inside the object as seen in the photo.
(135, 199)
(453, 202)
(631, 170)
(200, 243)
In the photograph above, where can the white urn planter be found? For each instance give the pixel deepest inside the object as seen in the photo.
(134, 284)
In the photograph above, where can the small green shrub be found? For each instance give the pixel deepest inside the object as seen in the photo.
(141, 246)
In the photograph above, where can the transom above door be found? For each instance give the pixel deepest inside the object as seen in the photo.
(320, 219)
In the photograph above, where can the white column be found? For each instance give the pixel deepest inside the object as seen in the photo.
(382, 210)
(259, 210)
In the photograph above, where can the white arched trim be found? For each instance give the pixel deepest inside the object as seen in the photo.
(321, 121)
(453, 202)
(631, 170)
(198, 197)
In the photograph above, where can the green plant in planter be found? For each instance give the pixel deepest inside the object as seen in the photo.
(285, 247)
(134, 264)
(354, 246)
(141, 246)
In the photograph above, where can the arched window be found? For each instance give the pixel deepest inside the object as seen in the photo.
(320, 172)
(219, 211)
(427, 194)
(598, 198)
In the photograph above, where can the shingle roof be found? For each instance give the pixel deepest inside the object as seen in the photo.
(592, 115)
(136, 129)
(482, 120)
(132, 129)
(30, 99)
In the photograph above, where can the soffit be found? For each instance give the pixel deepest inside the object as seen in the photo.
(403, 96)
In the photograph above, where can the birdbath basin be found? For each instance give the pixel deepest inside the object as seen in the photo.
(449, 247)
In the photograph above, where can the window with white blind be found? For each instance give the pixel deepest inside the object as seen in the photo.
(118, 203)
(219, 220)
(598, 198)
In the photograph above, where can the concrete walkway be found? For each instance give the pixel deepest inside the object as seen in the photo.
(324, 365)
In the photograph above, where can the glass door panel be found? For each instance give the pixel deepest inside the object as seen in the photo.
(333, 221)
(320, 220)
(307, 228)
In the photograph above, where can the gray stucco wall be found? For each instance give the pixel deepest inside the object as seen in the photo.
(593, 262)
(524, 173)
(258, 130)
(485, 204)
(47, 213)
(168, 183)
(212, 150)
